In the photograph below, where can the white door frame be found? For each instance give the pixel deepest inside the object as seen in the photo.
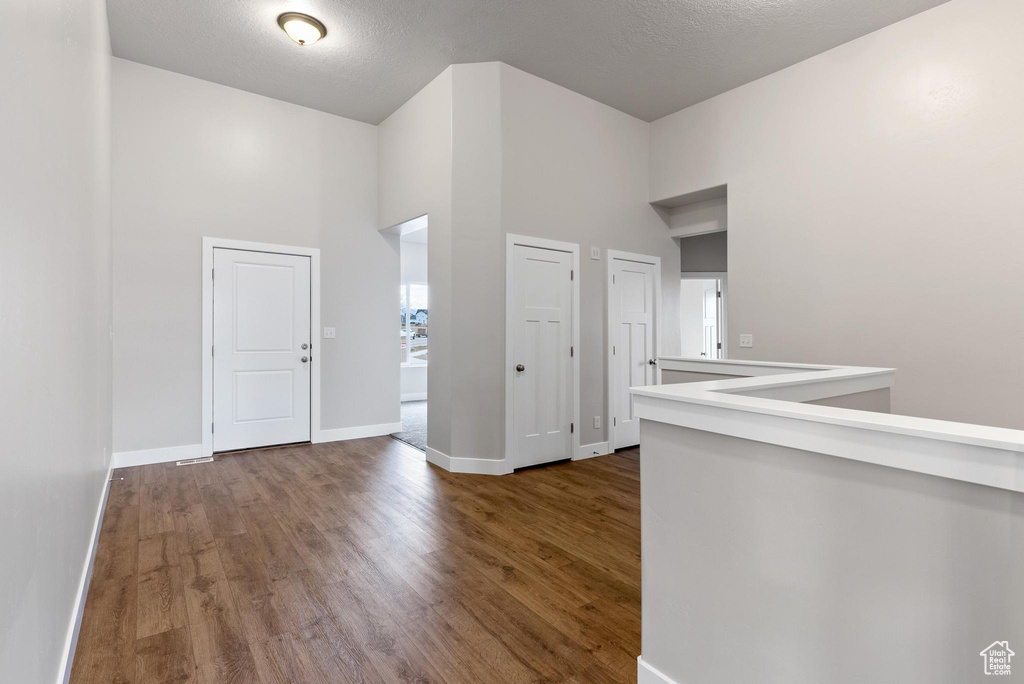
(611, 255)
(723, 321)
(573, 248)
(209, 244)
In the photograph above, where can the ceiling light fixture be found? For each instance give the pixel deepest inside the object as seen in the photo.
(302, 28)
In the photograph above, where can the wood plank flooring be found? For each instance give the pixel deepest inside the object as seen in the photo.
(358, 562)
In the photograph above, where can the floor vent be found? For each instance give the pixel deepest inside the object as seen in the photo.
(193, 461)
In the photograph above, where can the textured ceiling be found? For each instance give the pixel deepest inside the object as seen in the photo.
(645, 57)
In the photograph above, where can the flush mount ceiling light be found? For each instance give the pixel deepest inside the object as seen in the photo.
(302, 28)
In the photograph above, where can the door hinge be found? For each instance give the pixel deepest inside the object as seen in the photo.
(213, 274)
(719, 294)
(719, 345)
(211, 428)
(572, 351)
(572, 274)
(613, 279)
(615, 421)
(613, 350)
(572, 427)
(211, 350)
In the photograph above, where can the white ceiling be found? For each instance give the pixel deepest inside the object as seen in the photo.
(645, 57)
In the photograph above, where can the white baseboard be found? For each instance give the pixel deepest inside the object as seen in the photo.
(71, 640)
(645, 674)
(415, 396)
(592, 450)
(476, 466)
(126, 459)
(358, 432)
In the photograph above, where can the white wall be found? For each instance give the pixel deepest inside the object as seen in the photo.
(414, 262)
(55, 315)
(699, 218)
(414, 383)
(576, 170)
(193, 159)
(875, 203)
(813, 567)
(415, 172)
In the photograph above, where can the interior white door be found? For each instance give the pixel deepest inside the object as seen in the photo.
(542, 356)
(261, 349)
(711, 322)
(632, 306)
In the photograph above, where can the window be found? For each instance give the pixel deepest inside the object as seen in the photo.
(414, 323)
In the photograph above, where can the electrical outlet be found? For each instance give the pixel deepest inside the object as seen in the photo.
(329, 333)
(746, 340)
(595, 253)
(597, 422)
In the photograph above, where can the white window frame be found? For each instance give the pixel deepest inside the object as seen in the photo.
(407, 358)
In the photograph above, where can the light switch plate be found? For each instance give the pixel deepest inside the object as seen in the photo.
(746, 340)
(595, 253)
(597, 422)
(329, 333)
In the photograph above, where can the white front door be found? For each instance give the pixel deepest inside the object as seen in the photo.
(632, 309)
(541, 355)
(261, 349)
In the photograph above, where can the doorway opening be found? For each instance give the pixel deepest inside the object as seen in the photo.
(413, 314)
(702, 316)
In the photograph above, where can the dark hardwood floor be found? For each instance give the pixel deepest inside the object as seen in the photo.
(358, 562)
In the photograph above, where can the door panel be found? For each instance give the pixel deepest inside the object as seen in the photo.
(261, 319)
(264, 299)
(263, 395)
(633, 312)
(542, 336)
(711, 322)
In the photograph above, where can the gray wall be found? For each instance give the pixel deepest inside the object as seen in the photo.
(415, 178)
(486, 150)
(875, 207)
(768, 564)
(576, 170)
(672, 377)
(478, 266)
(193, 159)
(878, 400)
(708, 253)
(55, 316)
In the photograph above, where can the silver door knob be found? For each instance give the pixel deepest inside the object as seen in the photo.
(305, 346)
(305, 359)
(520, 368)
(653, 362)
